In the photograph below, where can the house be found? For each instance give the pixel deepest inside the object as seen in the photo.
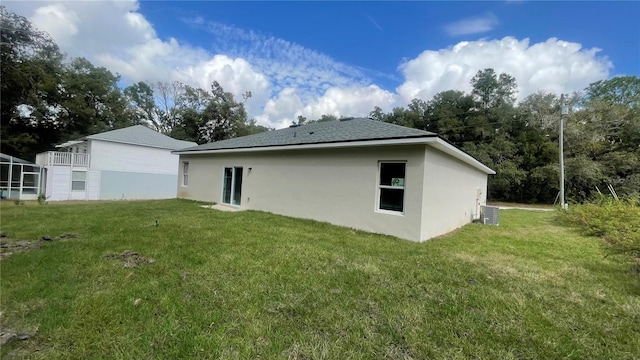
(19, 179)
(360, 173)
(130, 163)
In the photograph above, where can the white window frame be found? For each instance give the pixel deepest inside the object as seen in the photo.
(379, 187)
(84, 181)
(185, 173)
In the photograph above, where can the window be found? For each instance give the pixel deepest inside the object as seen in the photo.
(185, 173)
(78, 180)
(391, 186)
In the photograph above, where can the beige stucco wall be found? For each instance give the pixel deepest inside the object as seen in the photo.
(453, 192)
(334, 185)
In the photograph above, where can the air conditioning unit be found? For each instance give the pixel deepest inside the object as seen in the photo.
(490, 215)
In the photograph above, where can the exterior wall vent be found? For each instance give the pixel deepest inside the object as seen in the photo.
(490, 215)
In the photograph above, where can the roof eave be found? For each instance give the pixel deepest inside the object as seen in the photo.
(321, 145)
(451, 150)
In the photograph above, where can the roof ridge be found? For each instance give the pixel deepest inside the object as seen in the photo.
(357, 129)
(141, 135)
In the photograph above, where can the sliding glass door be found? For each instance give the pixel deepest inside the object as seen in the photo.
(232, 186)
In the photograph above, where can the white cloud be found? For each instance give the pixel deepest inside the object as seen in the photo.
(287, 64)
(57, 20)
(352, 101)
(86, 28)
(287, 79)
(553, 65)
(235, 75)
(472, 25)
(341, 102)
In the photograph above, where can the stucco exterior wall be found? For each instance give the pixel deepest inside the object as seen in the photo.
(339, 186)
(453, 192)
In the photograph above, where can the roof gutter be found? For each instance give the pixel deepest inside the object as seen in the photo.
(432, 141)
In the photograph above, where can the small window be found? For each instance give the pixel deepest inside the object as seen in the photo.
(391, 186)
(79, 180)
(185, 173)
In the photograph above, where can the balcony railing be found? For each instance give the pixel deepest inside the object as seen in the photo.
(53, 158)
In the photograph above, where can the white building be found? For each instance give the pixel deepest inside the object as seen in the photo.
(129, 163)
(359, 173)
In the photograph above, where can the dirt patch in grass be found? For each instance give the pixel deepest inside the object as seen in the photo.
(9, 246)
(130, 258)
(7, 336)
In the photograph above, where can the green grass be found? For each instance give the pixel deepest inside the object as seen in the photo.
(255, 285)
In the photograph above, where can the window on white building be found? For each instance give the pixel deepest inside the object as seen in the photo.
(79, 181)
(391, 186)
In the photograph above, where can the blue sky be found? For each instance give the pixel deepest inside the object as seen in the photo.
(377, 36)
(344, 58)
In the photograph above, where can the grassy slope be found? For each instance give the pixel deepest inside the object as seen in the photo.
(250, 284)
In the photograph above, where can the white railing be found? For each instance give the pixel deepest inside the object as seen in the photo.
(53, 158)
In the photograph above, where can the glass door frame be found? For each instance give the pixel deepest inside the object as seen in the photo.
(234, 188)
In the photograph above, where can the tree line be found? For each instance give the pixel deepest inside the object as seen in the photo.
(521, 141)
(48, 98)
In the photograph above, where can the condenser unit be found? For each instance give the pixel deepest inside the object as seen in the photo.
(490, 215)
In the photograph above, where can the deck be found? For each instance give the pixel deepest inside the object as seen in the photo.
(57, 158)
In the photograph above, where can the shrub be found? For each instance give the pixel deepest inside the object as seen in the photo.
(615, 221)
(42, 199)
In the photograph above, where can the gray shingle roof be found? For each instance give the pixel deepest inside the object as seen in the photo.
(142, 135)
(359, 129)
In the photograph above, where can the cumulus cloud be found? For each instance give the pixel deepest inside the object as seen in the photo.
(57, 20)
(235, 75)
(86, 28)
(553, 65)
(472, 25)
(341, 102)
(287, 79)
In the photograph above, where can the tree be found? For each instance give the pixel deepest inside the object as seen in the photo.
(325, 118)
(30, 69)
(448, 115)
(301, 120)
(603, 139)
(224, 116)
(142, 100)
(491, 90)
(91, 100)
(621, 90)
(542, 110)
(377, 114)
(46, 100)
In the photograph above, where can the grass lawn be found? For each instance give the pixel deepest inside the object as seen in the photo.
(255, 285)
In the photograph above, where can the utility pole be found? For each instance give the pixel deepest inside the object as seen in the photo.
(565, 111)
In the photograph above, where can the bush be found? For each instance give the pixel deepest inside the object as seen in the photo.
(615, 221)
(42, 199)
